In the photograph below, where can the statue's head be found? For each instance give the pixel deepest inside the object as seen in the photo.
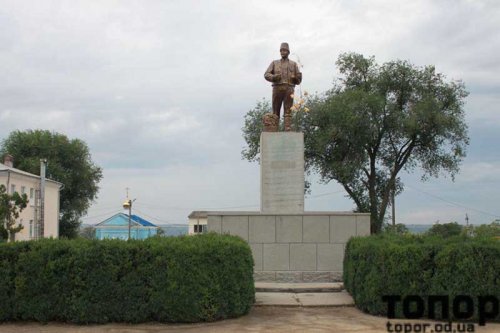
(284, 50)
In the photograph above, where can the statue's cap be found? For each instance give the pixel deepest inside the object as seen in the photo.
(285, 46)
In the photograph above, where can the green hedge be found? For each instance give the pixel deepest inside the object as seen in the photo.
(174, 279)
(376, 266)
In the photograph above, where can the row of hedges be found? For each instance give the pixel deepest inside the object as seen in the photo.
(174, 279)
(377, 266)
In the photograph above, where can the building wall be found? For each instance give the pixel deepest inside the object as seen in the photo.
(122, 232)
(196, 221)
(52, 208)
(27, 216)
(305, 247)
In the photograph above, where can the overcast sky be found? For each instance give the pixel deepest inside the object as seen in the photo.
(159, 90)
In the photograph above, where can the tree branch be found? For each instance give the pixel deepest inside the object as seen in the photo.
(353, 196)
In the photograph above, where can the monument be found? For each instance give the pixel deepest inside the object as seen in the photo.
(289, 244)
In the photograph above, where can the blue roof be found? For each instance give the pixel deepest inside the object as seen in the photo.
(142, 221)
(121, 219)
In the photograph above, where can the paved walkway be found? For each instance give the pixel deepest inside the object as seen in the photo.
(260, 319)
(299, 308)
(303, 299)
(298, 287)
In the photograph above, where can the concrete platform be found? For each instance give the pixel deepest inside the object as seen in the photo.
(302, 294)
(330, 287)
(294, 248)
(323, 299)
(260, 319)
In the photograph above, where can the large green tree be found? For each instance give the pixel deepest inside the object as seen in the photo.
(377, 121)
(11, 205)
(69, 162)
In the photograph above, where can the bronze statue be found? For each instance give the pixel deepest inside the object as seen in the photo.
(284, 74)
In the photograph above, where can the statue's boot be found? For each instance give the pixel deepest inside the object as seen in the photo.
(288, 122)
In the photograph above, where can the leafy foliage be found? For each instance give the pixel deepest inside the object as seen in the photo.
(173, 279)
(252, 129)
(10, 207)
(69, 162)
(87, 232)
(445, 230)
(389, 264)
(377, 121)
(399, 229)
(488, 230)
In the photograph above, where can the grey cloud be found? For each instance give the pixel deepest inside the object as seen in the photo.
(161, 87)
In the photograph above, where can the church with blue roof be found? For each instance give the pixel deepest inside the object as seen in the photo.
(116, 227)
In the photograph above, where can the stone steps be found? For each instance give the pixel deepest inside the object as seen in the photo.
(302, 295)
(298, 287)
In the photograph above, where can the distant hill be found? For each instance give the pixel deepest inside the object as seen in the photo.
(421, 228)
(418, 228)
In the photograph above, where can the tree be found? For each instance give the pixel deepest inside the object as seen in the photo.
(87, 232)
(491, 230)
(377, 121)
(445, 230)
(398, 229)
(10, 207)
(69, 162)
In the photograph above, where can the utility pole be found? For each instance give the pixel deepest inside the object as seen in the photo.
(466, 219)
(129, 216)
(128, 205)
(36, 218)
(43, 168)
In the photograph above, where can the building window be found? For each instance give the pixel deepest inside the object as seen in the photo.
(23, 189)
(32, 193)
(31, 228)
(200, 228)
(12, 188)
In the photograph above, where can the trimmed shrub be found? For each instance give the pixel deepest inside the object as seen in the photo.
(176, 279)
(377, 266)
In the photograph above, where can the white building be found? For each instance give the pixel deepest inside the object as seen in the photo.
(16, 180)
(197, 222)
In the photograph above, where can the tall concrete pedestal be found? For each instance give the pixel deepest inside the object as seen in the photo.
(282, 172)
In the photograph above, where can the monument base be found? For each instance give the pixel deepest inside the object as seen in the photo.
(282, 178)
(307, 247)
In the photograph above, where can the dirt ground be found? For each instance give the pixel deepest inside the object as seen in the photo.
(261, 319)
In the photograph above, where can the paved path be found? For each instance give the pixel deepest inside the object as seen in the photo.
(299, 308)
(302, 295)
(303, 299)
(298, 287)
(260, 319)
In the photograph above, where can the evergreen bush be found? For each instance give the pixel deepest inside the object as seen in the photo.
(175, 279)
(381, 265)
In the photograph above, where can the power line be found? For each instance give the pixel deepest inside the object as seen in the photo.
(325, 194)
(158, 206)
(104, 214)
(154, 218)
(454, 203)
(233, 207)
(103, 208)
(227, 207)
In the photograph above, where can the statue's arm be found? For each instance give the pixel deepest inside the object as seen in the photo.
(269, 74)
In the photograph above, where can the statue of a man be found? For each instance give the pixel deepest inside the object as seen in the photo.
(284, 74)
